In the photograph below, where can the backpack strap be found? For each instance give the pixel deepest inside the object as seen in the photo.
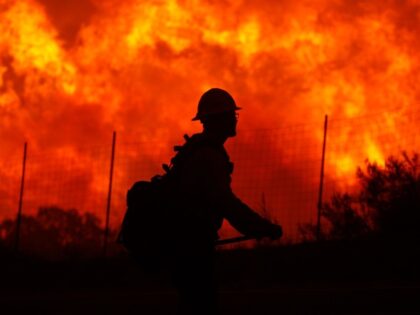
(191, 144)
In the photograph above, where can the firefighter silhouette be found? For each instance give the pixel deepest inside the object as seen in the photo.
(204, 198)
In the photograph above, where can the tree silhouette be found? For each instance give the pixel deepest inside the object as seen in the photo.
(347, 218)
(386, 206)
(55, 233)
(392, 193)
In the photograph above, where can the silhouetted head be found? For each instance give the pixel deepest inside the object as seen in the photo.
(217, 112)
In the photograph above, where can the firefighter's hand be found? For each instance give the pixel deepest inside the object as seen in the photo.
(274, 231)
(267, 229)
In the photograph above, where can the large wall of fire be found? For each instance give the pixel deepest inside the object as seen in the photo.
(72, 72)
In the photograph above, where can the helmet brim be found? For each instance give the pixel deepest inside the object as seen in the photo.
(198, 116)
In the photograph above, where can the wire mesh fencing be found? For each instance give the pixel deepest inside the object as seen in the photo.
(276, 172)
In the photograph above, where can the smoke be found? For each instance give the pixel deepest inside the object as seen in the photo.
(68, 17)
(71, 72)
(145, 58)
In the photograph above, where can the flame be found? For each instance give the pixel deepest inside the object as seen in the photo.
(34, 45)
(139, 67)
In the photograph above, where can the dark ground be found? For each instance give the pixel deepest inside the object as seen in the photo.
(328, 278)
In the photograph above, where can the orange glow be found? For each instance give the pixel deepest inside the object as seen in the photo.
(68, 79)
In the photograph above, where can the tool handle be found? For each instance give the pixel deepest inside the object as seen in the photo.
(234, 240)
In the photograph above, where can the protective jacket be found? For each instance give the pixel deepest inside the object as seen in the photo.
(203, 194)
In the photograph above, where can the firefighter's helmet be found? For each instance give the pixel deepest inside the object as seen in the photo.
(215, 101)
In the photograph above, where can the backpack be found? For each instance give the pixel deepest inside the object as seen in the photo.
(149, 226)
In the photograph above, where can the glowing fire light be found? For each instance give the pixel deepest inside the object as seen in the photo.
(68, 78)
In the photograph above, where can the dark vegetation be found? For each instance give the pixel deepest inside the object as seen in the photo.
(56, 234)
(385, 208)
(333, 277)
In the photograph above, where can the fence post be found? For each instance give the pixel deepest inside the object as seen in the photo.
(108, 204)
(321, 181)
(22, 184)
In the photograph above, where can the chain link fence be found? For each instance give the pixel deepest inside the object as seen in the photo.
(277, 171)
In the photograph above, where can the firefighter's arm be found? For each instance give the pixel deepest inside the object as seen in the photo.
(239, 215)
(247, 221)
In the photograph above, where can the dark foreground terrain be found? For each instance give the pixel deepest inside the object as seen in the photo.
(329, 278)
